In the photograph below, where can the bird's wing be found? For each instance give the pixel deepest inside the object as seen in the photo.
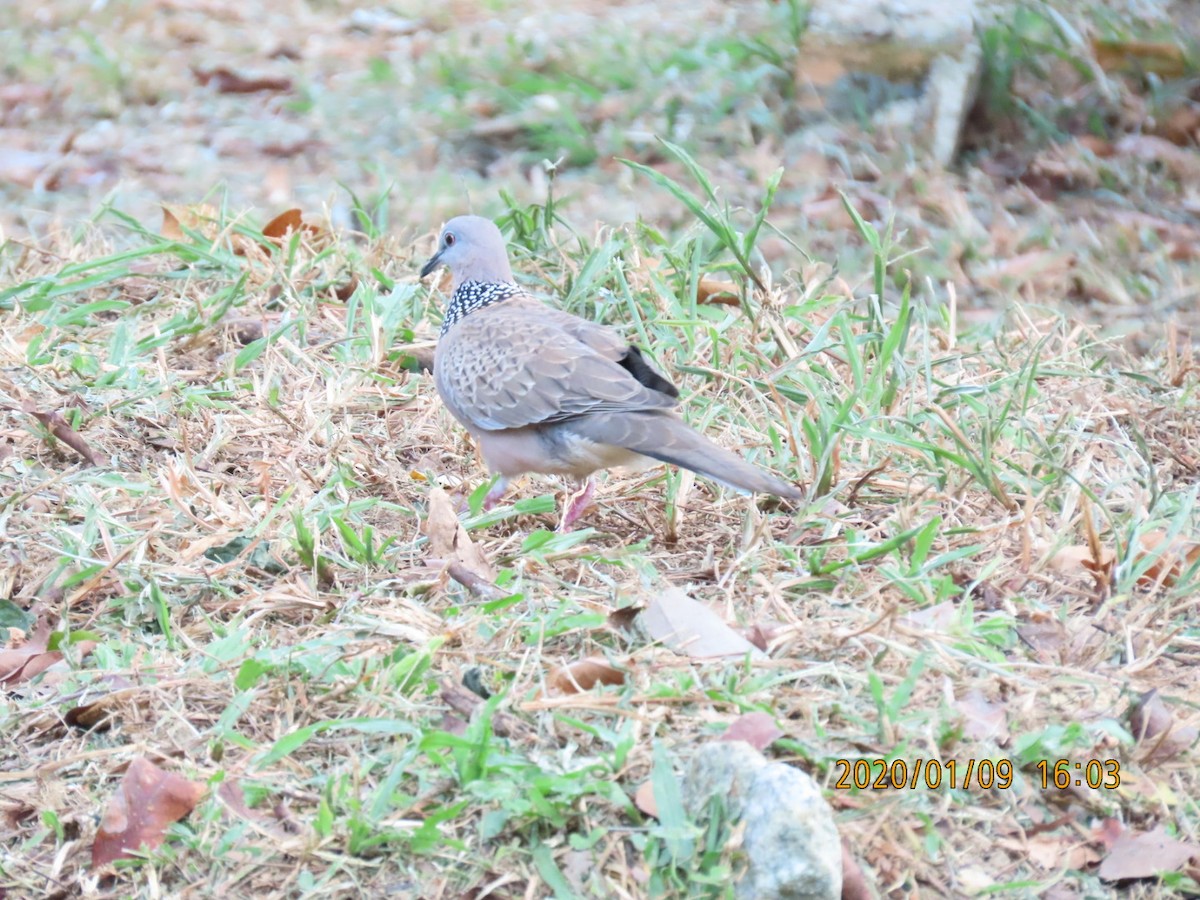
(514, 365)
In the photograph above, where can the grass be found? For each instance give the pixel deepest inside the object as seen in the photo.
(252, 565)
(252, 560)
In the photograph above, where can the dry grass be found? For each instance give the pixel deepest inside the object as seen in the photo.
(249, 553)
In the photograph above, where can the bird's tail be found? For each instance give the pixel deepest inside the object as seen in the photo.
(663, 436)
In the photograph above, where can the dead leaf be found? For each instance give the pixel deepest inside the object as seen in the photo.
(1146, 854)
(622, 619)
(227, 81)
(1155, 729)
(710, 290)
(201, 218)
(583, 675)
(1172, 558)
(854, 882)
(449, 542)
(1043, 637)
(1182, 163)
(1078, 559)
(982, 720)
(32, 658)
(97, 714)
(291, 220)
(939, 617)
(1182, 127)
(757, 729)
(146, 802)
(23, 167)
(61, 429)
(691, 628)
(644, 800)
(234, 798)
(1161, 58)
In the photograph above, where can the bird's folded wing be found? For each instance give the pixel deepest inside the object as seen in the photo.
(498, 369)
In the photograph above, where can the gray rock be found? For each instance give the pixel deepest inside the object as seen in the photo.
(788, 833)
(914, 60)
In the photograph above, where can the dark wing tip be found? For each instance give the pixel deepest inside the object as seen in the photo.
(635, 364)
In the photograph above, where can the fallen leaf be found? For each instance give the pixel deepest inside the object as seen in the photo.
(757, 729)
(227, 81)
(1043, 637)
(710, 290)
(691, 628)
(32, 658)
(146, 802)
(201, 218)
(288, 221)
(1155, 729)
(58, 426)
(622, 619)
(1146, 854)
(1080, 558)
(1179, 161)
(1161, 58)
(939, 617)
(583, 675)
(644, 800)
(449, 542)
(854, 882)
(982, 720)
(1171, 557)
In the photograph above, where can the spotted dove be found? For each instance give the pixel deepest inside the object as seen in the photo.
(541, 390)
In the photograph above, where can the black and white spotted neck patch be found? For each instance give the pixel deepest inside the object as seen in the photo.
(475, 295)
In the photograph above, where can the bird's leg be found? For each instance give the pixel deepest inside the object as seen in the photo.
(576, 505)
(495, 492)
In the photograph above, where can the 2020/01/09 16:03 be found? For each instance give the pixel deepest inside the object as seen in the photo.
(881, 774)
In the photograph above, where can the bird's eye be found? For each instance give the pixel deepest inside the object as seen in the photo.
(449, 239)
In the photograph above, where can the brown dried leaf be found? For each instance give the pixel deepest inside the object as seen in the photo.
(755, 728)
(201, 218)
(939, 617)
(854, 882)
(1156, 731)
(449, 541)
(1180, 162)
(691, 628)
(982, 720)
(622, 619)
(31, 658)
(289, 220)
(228, 81)
(583, 675)
(1172, 559)
(1167, 60)
(711, 290)
(1146, 854)
(146, 802)
(59, 427)
(644, 800)
(1078, 559)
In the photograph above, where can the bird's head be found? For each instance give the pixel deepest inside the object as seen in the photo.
(473, 248)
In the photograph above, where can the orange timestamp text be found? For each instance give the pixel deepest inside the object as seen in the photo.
(985, 774)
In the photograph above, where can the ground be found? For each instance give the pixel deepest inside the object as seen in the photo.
(228, 522)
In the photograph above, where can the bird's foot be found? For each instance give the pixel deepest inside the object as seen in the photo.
(495, 493)
(576, 505)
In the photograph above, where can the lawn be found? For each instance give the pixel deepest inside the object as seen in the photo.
(242, 541)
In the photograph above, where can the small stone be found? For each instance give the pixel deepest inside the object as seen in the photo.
(788, 834)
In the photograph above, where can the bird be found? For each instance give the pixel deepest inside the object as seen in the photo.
(542, 390)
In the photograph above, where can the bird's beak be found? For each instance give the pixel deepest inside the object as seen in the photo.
(434, 262)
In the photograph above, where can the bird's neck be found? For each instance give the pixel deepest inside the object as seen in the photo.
(472, 296)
